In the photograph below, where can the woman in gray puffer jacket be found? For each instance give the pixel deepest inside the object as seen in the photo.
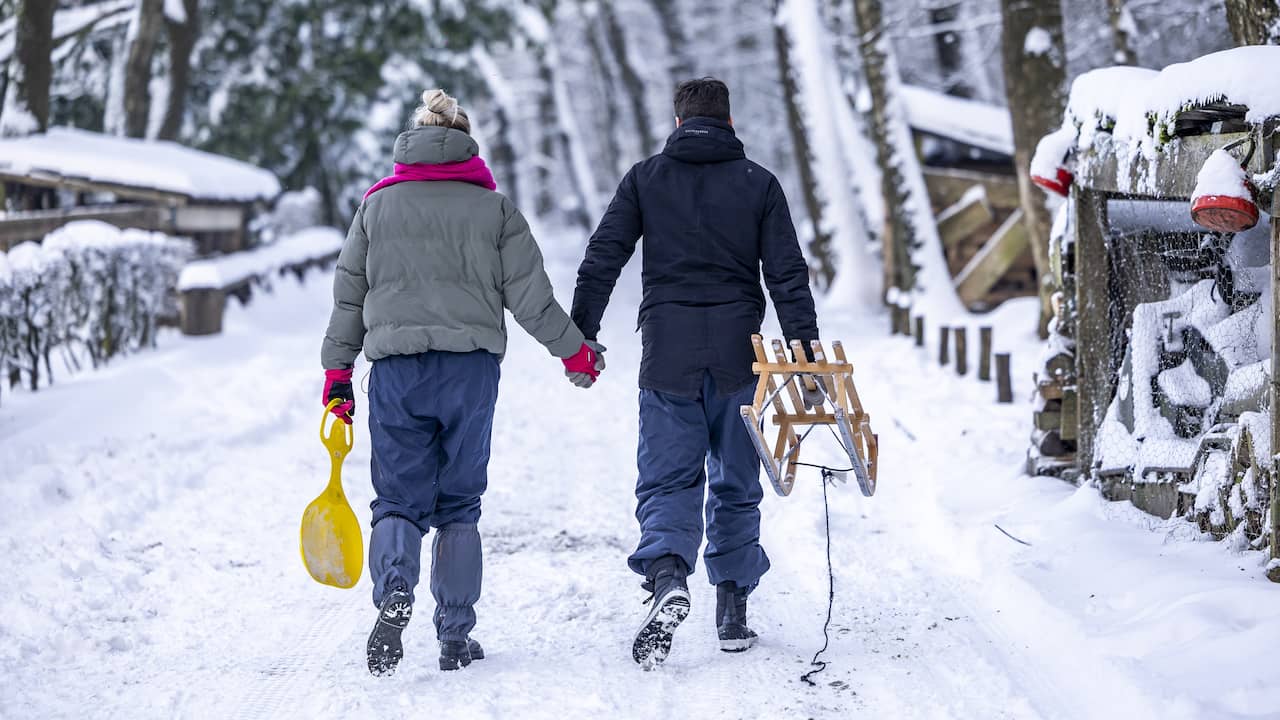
(432, 259)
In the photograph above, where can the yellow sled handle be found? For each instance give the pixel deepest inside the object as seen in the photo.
(340, 438)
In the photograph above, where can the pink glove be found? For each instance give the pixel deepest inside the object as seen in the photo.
(587, 360)
(337, 386)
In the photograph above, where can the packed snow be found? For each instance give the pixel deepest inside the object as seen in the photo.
(146, 164)
(154, 568)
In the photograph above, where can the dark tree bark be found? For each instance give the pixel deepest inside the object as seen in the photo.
(137, 74)
(32, 66)
(668, 12)
(820, 245)
(1121, 24)
(616, 37)
(1035, 77)
(606, 121)
(946, 42)
(182, 38)
(1254, 22)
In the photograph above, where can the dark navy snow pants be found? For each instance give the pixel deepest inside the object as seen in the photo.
(430, 421)
(684, 445)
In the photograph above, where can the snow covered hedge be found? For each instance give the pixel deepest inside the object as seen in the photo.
(90, 290)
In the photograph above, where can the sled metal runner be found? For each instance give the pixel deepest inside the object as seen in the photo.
(778, 389)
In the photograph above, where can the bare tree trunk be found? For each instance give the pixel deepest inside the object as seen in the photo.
(1034, 54)
(616, 36)
(606, 123)
(1121, 29)
(26, 100)
(182, 38)
(1254, 22)
(820, 244)
(668, 12)
(137, 74)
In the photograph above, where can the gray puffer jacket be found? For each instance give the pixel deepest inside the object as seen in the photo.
(431, 265)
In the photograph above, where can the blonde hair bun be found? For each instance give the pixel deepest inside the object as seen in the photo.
(440, 109)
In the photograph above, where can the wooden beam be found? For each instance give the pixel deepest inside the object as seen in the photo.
(964, 217)
(41, 178)
(1093, 324)
(947, 186)
(23, 226)
(995, 258)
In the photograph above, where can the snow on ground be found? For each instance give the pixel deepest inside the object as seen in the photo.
(150, 516)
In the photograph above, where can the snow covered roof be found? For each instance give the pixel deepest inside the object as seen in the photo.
(154, 165)
(967, 121)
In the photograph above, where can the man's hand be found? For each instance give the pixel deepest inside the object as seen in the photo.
(583, 368)
(813, 396)
(337, 386)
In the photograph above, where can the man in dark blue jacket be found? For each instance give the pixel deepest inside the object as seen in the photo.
(712, 220)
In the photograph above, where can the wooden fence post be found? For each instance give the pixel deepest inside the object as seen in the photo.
(944, 350)
(962, 350)
(984, 353)
(202, 311)
(1004, 383)
(919, 331)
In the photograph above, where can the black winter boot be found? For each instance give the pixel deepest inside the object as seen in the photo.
(385, 649)
(731, 618)
(455, 654)
(667, 581)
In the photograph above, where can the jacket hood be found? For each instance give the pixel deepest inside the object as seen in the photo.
(433, 146)
(704, 140)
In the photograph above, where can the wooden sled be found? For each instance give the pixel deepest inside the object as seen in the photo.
(779, 388)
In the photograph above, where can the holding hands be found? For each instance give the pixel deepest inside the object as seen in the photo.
(584, 367)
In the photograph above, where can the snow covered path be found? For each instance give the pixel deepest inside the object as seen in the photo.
(150, 516)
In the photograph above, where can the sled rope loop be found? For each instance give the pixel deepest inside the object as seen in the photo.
(841, 411)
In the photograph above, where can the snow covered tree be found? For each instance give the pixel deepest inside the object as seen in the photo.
(1254, 22)
(1035, 76)
(26, 97)
(681, 61)
(913, 261)
(144, 31)
(632, 83)
(1123, 29)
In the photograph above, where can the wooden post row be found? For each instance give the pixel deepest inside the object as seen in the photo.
(962, 350)
(944, 351)
(919, 331)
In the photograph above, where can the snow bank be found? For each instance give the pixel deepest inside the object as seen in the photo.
(225, 270)
(149, 164)
(968, 121)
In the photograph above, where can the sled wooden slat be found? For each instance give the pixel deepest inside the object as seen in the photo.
(778, 388)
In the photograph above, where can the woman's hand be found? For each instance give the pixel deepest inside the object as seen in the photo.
(583, 368)
(337, 386)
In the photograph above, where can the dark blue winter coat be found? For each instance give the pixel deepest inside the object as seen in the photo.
(711, 221)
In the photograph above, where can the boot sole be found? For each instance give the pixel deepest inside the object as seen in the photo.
(737, 645)
(653, 641)
(385, 649)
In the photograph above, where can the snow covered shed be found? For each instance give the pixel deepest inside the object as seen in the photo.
(66, 174)
(1157, 379)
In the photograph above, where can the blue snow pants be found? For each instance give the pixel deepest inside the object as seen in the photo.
(684, 444)
(430, 421)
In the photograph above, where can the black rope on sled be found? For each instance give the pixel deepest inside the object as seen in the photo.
(828, 476)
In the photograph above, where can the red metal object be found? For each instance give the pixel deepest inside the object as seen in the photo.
(1060, 184)
(1224, 213)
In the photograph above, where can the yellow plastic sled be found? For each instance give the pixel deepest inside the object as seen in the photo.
(332, 545)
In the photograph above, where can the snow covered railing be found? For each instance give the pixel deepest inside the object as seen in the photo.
(90, 291)
(204, 284)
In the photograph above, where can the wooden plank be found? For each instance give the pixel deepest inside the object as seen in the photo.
(1093, 326)
(1174, 166)
(1274, 520)
(20, 227)
(946, 187)
(54, 180)
(970, 213)
(995, 258)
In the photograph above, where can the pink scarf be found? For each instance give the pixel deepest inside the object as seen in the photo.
(472, 171)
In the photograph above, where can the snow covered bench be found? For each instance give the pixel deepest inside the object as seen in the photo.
(204, 284)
